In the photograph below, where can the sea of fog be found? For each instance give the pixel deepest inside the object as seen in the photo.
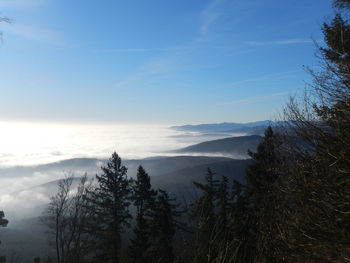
(39, 143)
(25, 145)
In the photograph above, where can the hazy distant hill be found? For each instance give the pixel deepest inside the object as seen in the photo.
(235, 146)
(248, 128)
(35, 196)
(79, 166)
(178, 181)
(155, 166)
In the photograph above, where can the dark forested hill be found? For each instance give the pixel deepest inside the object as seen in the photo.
(34, 196)
(156, 166)
(25, 240)
(236, 147)
(180, 183)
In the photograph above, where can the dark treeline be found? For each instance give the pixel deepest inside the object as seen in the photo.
(293, 207)
(89, 225)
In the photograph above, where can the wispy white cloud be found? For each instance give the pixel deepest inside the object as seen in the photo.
(33, 33)
(209, 15)
(175, 49)
(121, 85)
(279, 42)
(132, 50)
(161, 65)
(178, 58)
(252, 100)
(271, 76)
(125, 50)
(209, 19)
(140, 50)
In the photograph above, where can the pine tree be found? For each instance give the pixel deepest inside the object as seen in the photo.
(3, 223)
(222, 204)
(342, 4)
(221, 239)
(262, 172)
(242, 227)
(204, 213)
(319, 180)
(144, 200)
(164, 225)
(261, 177)
(110, 202)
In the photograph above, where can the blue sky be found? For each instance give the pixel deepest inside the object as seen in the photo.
(155, 61)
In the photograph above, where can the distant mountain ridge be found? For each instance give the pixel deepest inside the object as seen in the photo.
(224, 126)
(250, 128)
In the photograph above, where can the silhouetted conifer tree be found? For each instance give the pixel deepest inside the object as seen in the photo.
(204, 213)
(319, 181)
(110, 202)
(223, 205)
(144, 200)
(242, 227)
(164, 225)
(262, 172)
(264, 196)
(3, 223)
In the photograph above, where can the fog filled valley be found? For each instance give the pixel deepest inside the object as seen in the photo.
(182, 155)
(210, 131)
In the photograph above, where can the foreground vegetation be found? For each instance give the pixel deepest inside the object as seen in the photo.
(293, 207)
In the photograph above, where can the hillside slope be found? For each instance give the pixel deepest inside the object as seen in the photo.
(236, 147)
(180, 183)
(26, 238)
